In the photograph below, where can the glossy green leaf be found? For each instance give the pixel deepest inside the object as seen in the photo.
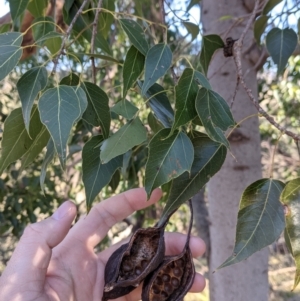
(158, 101)
(290, 197)
(158, 61)
(201, 80)
(37, 7)
(260, 219)
(10, 54)
(53, 44)
(29, 85)
(260, 25)
(60, 108)
(17, 8)
(214, 114)
(208, 160)
(115, 181)
(169, 157)
(97, 112)
(42, 26)
(50, 153)
(192, 29)
(135, 34)
(270, 5)
(125, 108)
(281, 44)
(95, 175)
(210, 44)
(84, 21)
(185, 96)
(131, 134)
(36, 147)
(16, 141)
(132, 68)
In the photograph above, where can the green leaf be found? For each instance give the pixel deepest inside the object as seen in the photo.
(260, 219)
(37, 7)
(208, 159)
(135, 34)
(17, 8)
(214, 114)
(185, 97)
(210, 44)
(95, 175)
(158, 101)
(192, 29)
(48, 158)
(106, 19)
(16, 141)
(49, 36)
(192, 3)
(260, 25)
(158, 61)
(131, 134)
(42, 26)
(98, 56)
(298, 26)
(36, 147)
(97, 112)
(154, 124)
(201, 80)
(281, 44)
(72, 79)
(270, 5)
(169, 157)
(60, 108)
(125, 108)
(11, 38)
(5, 27)
(29, 85)
(132, 68)
(53, 44)
(290, 197)
(83, 22)
(10, 52)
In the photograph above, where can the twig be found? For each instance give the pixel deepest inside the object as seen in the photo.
(63, 44)
(163, 19)
(95, 25)
(237, 50)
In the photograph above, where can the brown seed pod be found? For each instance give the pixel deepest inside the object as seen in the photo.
(173, 278)
(132, 262)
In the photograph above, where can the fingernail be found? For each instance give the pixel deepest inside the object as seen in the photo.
(62, 211)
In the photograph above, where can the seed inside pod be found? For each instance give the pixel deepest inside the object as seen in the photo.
(132, 262)
(173, 278)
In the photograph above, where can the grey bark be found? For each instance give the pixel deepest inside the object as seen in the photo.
(247, 280)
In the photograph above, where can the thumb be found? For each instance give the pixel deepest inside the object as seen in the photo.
(32, 255)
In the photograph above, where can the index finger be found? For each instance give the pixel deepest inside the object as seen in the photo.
(93, 228)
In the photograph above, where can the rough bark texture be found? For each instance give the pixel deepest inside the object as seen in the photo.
(247, 280)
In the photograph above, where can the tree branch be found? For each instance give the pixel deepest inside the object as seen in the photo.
(237, 53)
(63, 44)
(95, 27)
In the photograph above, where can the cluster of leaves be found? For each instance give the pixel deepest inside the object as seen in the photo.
(178, 144)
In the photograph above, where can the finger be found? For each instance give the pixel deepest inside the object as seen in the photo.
(93, 228)
(197, 287)
(29, 262)
(174, 245)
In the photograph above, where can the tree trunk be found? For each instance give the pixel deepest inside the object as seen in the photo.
(247, 280)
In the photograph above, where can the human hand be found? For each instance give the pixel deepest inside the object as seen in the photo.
(53, 262)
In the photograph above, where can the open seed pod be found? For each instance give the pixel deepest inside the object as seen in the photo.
(174, 277)
(132, 262)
